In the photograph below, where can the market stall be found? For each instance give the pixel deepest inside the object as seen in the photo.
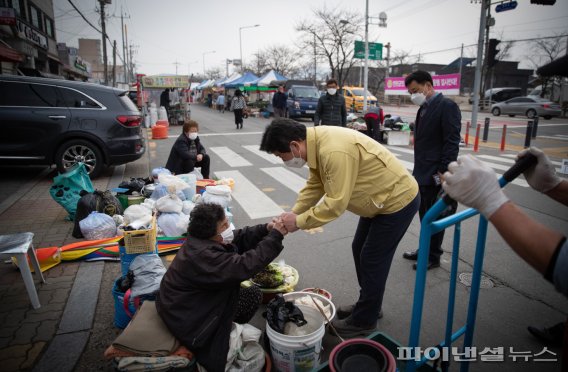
(172, 92)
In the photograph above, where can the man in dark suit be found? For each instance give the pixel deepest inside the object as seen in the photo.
(436, 144)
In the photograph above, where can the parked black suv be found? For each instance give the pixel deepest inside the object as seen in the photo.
(47, 121)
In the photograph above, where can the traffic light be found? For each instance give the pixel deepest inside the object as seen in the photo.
(492, 52)
(543, 2)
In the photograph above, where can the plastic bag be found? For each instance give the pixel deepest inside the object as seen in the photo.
(134, 185)
(187, 207)
(98, 226)
(137, 216)
(173, 224)
(159, 192)
(157, 171)
(191, 180)
(245, 353)
(197, 174)
(220, 194)
(279, 312)
(67, 187)
(148, 270)
(169, 204)
(172, 182)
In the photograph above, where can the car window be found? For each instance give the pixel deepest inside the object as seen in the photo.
(360, 92)
(75, 99)
(515, 100)
(307, 92)
(127, 102)
(25, 94)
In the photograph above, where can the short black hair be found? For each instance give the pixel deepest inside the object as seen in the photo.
(204, 219)
(420, 77)
(278, 135)
(238, 93)
(331, 81)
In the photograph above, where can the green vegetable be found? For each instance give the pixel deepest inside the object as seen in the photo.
(269, 277)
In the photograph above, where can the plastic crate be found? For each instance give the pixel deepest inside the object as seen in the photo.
(392, 346)
(141, 241)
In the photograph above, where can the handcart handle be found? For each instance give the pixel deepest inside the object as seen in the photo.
(521, 165)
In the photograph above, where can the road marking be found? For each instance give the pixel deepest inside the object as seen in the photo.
(558, 138)
(289, 179)
(253, 201)
(400, 149)
(266, 156)
(552, 161)
(230, 157)
(510, 161)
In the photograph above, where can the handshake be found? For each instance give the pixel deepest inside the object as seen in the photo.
(284, 223)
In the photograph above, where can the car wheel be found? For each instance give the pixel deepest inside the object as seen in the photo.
(547, 117)
(531, 114)
(511, 115)
(496, 111)
(75, 151)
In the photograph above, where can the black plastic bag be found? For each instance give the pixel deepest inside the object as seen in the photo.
(279, 312)
(97, 201)
(134, 185)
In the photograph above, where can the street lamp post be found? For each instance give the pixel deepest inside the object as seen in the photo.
(241, 43)
(204, 53)
(382, 23)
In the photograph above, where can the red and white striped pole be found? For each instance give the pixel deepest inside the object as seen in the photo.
(467, 134)
(476, 143)
(503, 136)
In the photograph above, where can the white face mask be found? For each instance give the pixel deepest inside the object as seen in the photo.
(227, 235)
(418, 98)
(192, 135)
(295, 162)
(331, 91)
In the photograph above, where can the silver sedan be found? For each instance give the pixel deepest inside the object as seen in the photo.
(529, 106)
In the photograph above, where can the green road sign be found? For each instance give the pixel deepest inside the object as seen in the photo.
(375, 50)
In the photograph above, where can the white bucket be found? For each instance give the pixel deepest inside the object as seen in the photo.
(298, 353)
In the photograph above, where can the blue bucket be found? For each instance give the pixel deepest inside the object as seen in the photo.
(121, 318)
(126, 259)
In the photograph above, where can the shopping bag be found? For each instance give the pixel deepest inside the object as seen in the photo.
(67, 187)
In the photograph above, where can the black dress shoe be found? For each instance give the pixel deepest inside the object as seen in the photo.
(410, 255)
(346, 310)
(431, 265)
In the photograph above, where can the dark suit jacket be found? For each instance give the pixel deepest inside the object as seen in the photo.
(436, 139)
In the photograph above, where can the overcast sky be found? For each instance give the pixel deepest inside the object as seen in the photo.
(168, 31)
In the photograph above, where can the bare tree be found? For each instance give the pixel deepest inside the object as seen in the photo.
(281, 59)
(545, 51)
(259, 63)
(214, 73)
(333, 32)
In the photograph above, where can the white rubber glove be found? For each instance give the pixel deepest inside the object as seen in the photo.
(471, 182)
(541, 177)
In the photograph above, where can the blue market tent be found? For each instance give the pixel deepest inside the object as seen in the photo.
(246, 79)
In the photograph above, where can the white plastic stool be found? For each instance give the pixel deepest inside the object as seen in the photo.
(20, 246)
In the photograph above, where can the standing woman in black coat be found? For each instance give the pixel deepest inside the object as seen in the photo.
(238, 105)
(188, 152)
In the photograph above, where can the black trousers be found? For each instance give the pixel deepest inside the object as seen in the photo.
(428, 197)
(238, 117)
(189, 165)
(374, 245)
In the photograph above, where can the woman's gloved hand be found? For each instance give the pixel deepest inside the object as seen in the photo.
(541, 177)
(471, 182)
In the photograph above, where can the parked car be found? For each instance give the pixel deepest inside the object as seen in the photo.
(302, 101)
(354, 97)
(530, 106)
(62, 122)
(495, 95)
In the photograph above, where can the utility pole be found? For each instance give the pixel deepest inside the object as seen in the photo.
(478, 64)
(126, 80)
(131, 66)
(103, 27)
(485, 70)
(126, 56)
(177, 63)
(366, 77)
(461, 65)
(388, 46)
(114, 64)
(316, 63)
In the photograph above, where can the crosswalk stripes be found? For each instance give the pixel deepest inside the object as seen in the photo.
(509, 161)
(266, 156)
(230, 157)
(289, 179)
(252, 200)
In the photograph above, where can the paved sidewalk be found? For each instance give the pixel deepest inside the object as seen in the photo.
(68, 301)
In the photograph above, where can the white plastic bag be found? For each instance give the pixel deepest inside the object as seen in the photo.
(137, 216)
(98, 226)
(172, 182)
(187, 207)
(169, 204)
(220, 194)
(173, 224)
(245, 353)
(161, 170)
(162, 113)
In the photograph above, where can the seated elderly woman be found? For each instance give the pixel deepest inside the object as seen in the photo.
(188, 152)
(200, 292)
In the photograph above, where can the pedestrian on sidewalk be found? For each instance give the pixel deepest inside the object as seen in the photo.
(351, 172)
(188, 152)
(331, 107)
(279, 102)
(200, 295)
(238, 105)
(436, 144)
(221, 103)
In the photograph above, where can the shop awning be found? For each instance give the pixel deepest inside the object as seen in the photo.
(10, 55)
(270, 78)
(246, 79)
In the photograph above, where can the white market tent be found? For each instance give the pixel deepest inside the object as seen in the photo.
(270, 78)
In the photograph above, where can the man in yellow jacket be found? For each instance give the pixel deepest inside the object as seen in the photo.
(350, 171)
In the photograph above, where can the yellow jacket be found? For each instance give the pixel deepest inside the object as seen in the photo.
(351, 172)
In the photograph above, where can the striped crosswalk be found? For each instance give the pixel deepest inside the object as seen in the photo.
(243, 163)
